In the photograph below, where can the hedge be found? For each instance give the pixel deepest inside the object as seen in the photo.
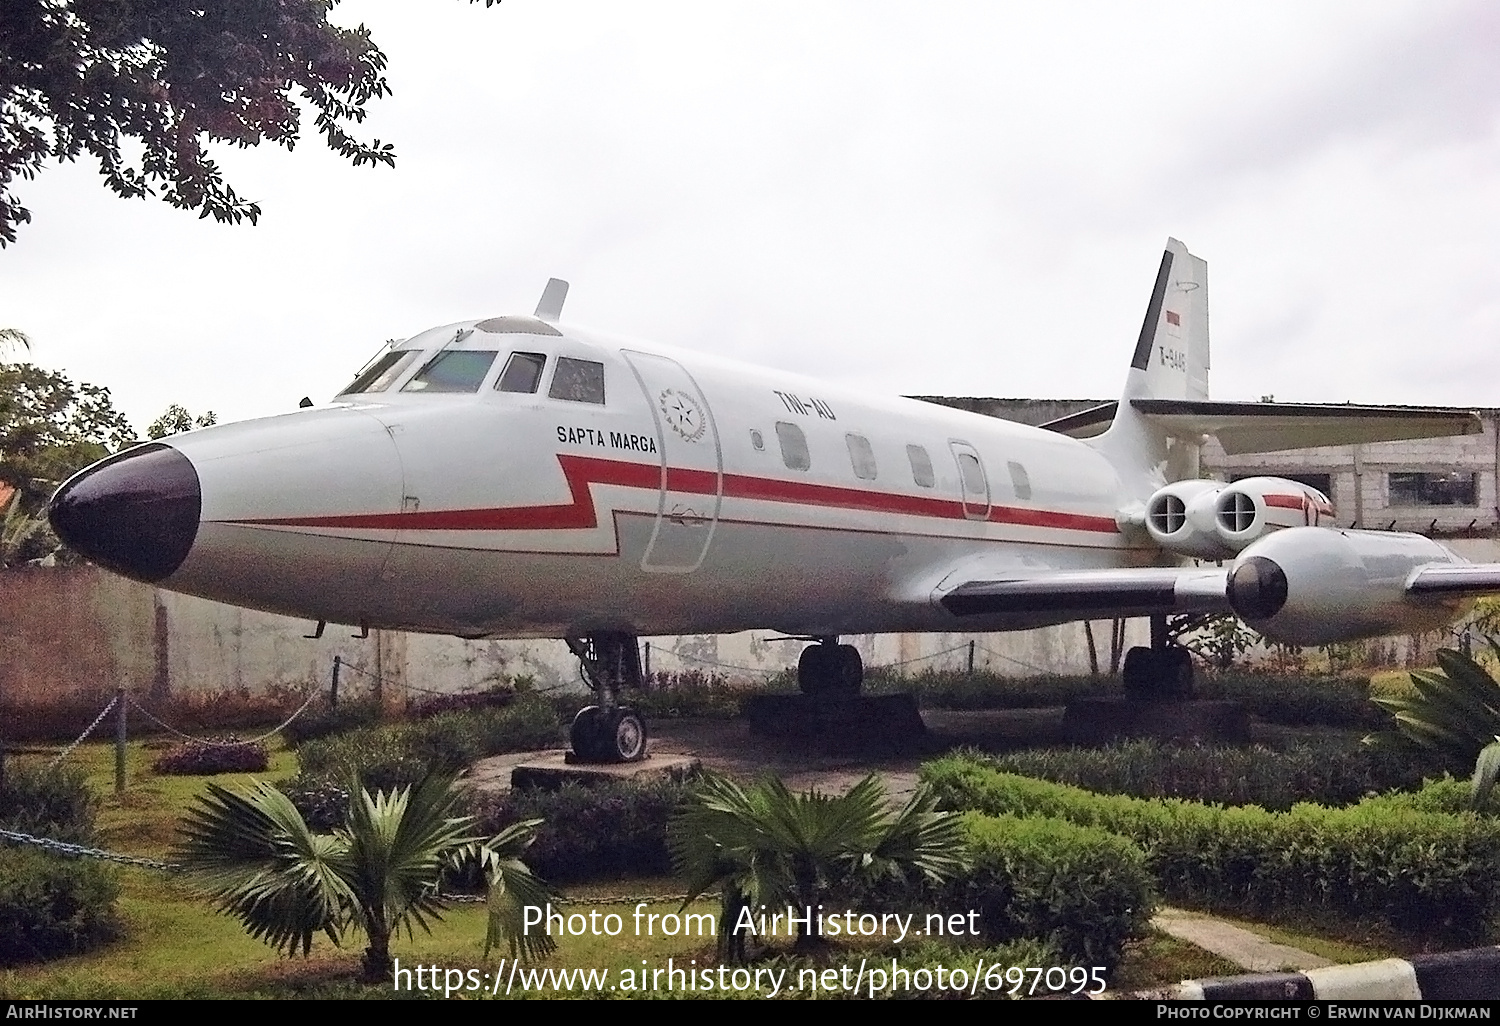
(1426, 873)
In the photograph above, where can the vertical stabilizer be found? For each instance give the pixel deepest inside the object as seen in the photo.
(1170, 362)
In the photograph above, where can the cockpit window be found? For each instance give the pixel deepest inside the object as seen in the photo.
(522, 373)
(453, 370)
(578, 381)
(382, 372)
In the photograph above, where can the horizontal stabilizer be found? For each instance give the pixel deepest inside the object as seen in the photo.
(1122, 592)
(1271, 427)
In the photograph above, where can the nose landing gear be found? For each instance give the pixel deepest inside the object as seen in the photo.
(608, 732)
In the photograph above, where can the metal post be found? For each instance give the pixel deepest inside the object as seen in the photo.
(648, 659)
(971, 657)
(333, 691)
(120, 712)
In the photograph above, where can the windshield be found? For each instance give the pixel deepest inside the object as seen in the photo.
(453, 370)
(381, 373)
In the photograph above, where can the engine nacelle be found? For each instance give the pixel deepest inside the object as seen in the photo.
(1315, 586)
(1180, 518)
(1208, 520)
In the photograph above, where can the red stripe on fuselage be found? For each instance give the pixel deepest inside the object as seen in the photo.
(582, 471)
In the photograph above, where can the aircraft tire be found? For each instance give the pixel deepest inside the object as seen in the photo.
(850, 671)
(1140, 672)
(625, 735)
(815, 670)
(587, 735)
(1176, 673)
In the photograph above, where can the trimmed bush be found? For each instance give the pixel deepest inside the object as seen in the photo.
(323, 804)
(50, 906)
(216, 755)
(591, 832)
(691, 693)
(321, 720)
(1298, 701)
(400, 754)
(1082, 890)
(1326, 772)
(54, 803)
(1427, 874)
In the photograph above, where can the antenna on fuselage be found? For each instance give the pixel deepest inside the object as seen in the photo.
(549, 308)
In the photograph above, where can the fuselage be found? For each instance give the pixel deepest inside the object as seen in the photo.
(508, 478)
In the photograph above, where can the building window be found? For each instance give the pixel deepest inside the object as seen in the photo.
(793, 446)
(861, 456)
(1434, 489)
(921, 466)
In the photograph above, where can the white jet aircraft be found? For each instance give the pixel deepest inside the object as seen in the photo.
(515, 477)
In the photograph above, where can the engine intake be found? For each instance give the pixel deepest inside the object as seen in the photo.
(1208, 520)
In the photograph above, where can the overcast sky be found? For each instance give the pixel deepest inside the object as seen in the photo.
(963, 199)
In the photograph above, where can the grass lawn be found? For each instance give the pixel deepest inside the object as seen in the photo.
(174, 945)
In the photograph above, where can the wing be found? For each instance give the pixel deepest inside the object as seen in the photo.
(1089, 594)
(1271, 427)
(1456, 580)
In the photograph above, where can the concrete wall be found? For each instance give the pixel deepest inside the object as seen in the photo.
(80, 632)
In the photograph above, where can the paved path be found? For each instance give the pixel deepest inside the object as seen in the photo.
(1246, 949)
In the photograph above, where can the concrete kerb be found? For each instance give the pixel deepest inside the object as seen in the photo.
(1472, 975)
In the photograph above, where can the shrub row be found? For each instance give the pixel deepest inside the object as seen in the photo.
(50, 907)
(1428, 874)
(1329, 772)
(1082, 890)
(54, 803)
(401, 754)
(591, 832)
(1300, 701)
(215, 755)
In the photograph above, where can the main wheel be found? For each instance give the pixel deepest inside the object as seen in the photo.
(1140, 671)
(625, 736)
(849, 671)
(587, 734)
(1175, 670)
(815, 669)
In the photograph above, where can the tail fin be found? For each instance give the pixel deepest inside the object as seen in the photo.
(1170, 362)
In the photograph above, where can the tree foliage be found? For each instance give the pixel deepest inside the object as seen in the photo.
(50, 427)
(81, 76)
(379, 873)
(176, 419)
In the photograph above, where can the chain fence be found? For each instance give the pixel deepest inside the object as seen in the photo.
(57, 760)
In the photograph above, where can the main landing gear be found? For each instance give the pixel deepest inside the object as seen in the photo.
(1165, 670)
(608, 732)
(830, 670)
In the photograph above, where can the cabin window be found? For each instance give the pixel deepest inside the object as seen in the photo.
(1019, 479)
(973, 474)
(756, 441)
(522, 373)
(453, 370)
(578, 381)
(861, 456)
(382, 372)
(793, 446)
(921, 466)
(1428, 489)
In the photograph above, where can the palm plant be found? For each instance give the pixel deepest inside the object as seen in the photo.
(1454, 715)
(764, 846)
(255, 856)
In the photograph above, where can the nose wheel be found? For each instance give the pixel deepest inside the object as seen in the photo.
(830, 670)
(608, 732)
(609, 735)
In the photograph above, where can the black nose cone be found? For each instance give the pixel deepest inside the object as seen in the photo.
(135, 513)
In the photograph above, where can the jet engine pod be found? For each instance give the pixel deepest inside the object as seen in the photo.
(1180, 518)
(1314, 586)
(1252, 508)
